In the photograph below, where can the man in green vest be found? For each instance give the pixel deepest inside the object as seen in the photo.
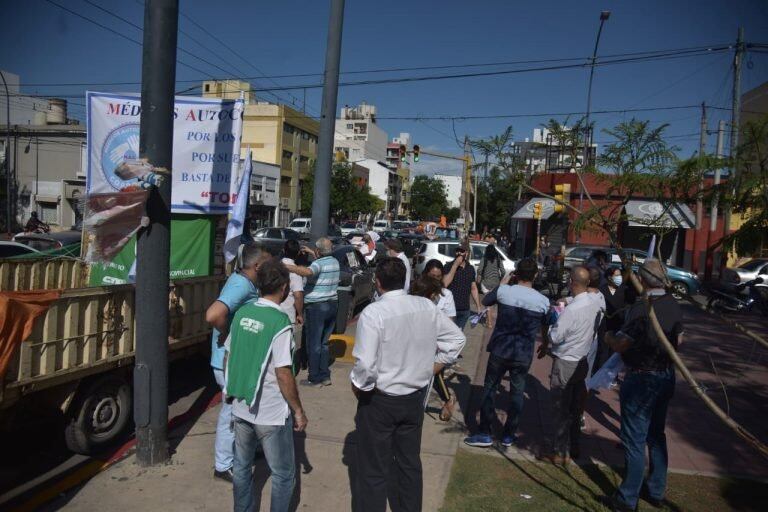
(262, 387)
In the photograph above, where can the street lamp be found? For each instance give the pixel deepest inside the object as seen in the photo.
(604, 15)
(7, 162)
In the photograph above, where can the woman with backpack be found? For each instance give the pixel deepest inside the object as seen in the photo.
(489, 276)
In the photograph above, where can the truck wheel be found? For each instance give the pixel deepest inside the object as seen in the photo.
(100, 416)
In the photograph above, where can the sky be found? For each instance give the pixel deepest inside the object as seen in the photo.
(46, 46)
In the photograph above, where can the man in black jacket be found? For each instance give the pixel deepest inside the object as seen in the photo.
(647, 389)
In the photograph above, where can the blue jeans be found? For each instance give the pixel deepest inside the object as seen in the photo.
(320, 318)
(225, 437)
(644, 400)
(494, 372)
(461, 318)
(277, 442)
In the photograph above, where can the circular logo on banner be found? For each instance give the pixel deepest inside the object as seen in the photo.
(121, 144)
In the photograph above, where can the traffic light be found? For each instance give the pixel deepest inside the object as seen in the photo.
(562, 197)
(537, 210)
(403, 152)
(416, 150)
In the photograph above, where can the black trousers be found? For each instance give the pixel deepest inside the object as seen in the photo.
(388, 452)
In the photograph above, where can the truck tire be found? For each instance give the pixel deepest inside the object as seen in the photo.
(101, 414)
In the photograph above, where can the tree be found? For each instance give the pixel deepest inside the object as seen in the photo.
(428, 197)
(348, 197)
(747, 191)
(452, 214)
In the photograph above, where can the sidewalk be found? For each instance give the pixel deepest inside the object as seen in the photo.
(325, 456)
(698, 442)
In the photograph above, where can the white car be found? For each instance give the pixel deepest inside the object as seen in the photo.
(301, 225)
(352, 227)
(380, 225)
(445, 251)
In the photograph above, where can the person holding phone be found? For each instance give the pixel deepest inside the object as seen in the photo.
(461, 281)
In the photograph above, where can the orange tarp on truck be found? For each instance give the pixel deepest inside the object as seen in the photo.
(18, 312)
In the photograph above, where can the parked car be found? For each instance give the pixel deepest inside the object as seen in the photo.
(578, 254)
(683, 282)
(48, 241)
(350, 227)
(445, 251)
(10, 249)
(745, 272)
(380, 225)
(273, 239)
(356, 285)
(301, 225)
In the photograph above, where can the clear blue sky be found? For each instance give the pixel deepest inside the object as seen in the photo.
(46, 45)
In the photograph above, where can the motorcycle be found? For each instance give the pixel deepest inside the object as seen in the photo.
(734, 301)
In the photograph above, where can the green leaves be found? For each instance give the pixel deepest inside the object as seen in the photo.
(428, 198)
(348, 197)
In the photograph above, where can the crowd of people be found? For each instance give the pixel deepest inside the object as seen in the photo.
(406, 341)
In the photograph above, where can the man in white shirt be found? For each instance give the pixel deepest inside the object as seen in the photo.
(395, 250)
(262, 388)
(293, 305)
(570, 339)
(401, 342)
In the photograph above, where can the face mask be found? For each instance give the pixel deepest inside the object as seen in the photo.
(617, 280)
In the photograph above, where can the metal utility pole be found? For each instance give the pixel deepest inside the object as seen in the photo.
(735, 116)
(321, 198)
(700, 190)
(8, 180)
(604, 15)
(150, 375)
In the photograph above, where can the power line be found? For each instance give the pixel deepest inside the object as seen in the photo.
(648, 53)
(105, 27)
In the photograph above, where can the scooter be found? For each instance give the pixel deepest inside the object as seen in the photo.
(736, 302)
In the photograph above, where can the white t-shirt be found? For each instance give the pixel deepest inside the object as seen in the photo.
(271, 409)
(296, 284)
(446, 304)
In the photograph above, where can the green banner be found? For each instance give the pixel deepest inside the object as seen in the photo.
(191, 253)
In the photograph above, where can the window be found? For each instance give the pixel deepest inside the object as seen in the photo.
(288, 128)
(287, 154)
(350, 126)
(207, 87)
(49, 213)
(304, 159)
(477, 252)
(447, 250)
(290, 234)
(6, 251)
(262, 233)
(274, 233)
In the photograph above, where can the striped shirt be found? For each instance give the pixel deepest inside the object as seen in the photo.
(326, 273)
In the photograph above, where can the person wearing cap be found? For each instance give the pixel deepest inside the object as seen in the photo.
(647, 389)
(321, 303)
(395, 250)
(460, 280)
(239, 289)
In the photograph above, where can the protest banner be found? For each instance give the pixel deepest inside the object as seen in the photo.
(206, 147)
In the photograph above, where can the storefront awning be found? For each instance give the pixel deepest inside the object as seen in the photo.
(526, 212)
(653, 214)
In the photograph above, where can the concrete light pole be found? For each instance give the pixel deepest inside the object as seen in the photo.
(321, 198)
(8, 180)
(150, 374)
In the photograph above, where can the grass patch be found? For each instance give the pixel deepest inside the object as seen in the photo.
(483, 482)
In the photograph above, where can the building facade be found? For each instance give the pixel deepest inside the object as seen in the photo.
(48, 168)
(276, 134)
(358, 136)
(453, 189)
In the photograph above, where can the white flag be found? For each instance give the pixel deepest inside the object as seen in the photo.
(237, 219)
(651, 248)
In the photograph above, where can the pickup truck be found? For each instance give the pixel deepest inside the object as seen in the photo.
(79, 357)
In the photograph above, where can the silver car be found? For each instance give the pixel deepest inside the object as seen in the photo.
(745, 272)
